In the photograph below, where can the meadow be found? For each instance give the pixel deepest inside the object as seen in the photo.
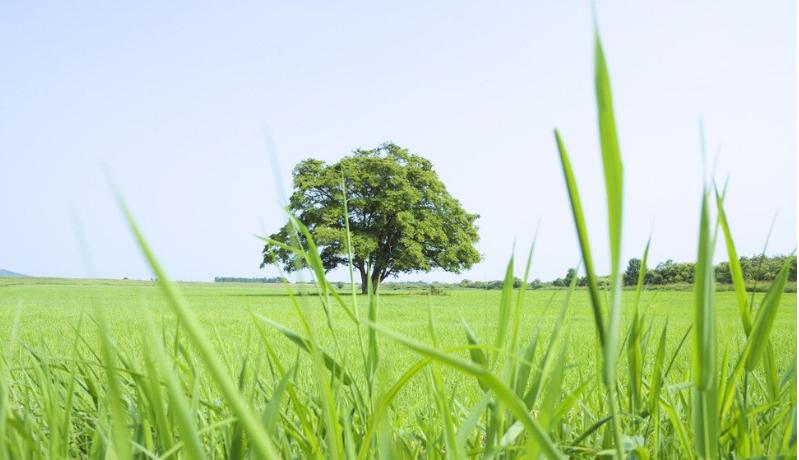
(55, 331)
(52, 308)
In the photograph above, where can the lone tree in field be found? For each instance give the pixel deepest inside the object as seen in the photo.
(401, 217)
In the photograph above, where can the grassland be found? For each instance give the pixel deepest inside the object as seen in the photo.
(52, 311)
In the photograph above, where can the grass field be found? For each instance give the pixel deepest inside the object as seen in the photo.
(52, 311)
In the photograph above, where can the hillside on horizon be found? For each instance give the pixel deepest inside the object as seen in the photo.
(10, 274)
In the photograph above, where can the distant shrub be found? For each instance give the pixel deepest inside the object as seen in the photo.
(233, 279)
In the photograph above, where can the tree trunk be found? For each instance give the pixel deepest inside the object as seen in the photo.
(375, 281)
(364, 282)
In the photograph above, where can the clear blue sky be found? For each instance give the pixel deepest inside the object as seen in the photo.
(174, 99)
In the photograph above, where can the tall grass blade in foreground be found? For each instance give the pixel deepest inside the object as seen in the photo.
(258, 435)
(705, 387)
(735, 266)
(614, 187)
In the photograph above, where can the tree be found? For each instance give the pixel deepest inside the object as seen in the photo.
(570, 274)
(631, 274)
(723, 274)
(401, 216)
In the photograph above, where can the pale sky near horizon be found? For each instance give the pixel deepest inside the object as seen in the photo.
(174, 101)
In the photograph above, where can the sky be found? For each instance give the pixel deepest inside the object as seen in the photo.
(197, 111)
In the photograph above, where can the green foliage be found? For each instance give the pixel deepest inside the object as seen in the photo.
(632, 271)
(760, 268)
(570, 275)
(765, 268)
(401, 216)
(669, 272)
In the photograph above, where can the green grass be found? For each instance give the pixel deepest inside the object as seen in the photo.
(52, 309)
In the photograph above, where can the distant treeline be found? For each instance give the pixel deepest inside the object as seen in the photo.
(232, 279)
(756, 269)
(668, 274)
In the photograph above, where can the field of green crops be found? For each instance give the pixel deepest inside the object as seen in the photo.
(56, 338)
(52, 308)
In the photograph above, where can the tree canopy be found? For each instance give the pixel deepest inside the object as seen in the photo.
(401, 216)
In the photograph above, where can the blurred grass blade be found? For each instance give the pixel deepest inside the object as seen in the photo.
(503, 393)
(305, 345)
(582, 235)
(120, 433)
(517, 317)
(258, 436)
(544, 369)
(614, 189)
(6, 376)
(385, 401)
(525, 364)
(611, 155)
(179, 405)
(475, 352)
(503, 320)
(736, 272)
(635, 359)
(705, 397)
(766, 313)
(372, 348)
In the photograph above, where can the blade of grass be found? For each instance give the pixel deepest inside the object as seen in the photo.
(119, 428)
(258, 435)
(634, 346)
(6, 382)
(705, 399)
(614, 190)
(503, 320)
(582, 235)
(179, 405)
(475, 352)
(305, 345)
(765, 316)
(735, 266)
(503, 393)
